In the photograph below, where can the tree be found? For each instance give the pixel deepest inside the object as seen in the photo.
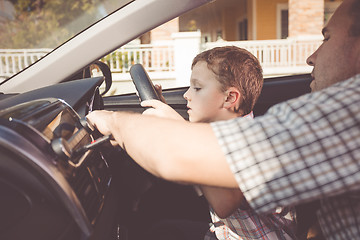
(46, 23)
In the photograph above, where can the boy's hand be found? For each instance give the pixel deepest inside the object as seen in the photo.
(160, 109)
(158, 89)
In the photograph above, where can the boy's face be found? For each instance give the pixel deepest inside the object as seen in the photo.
(204, 97)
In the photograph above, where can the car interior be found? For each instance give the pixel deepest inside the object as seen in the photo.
(40, 172)
(60, 179)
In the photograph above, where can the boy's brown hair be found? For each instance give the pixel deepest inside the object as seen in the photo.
(235, 67)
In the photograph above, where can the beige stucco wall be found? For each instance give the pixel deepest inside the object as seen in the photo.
(249, 13)
(224, 15)
(266, 18)
(305, 17)
(165, 31)
(221, 15)
(232, 15)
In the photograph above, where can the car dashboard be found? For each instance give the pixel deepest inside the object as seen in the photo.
(51, 188)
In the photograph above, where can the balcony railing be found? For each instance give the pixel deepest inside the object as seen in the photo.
(15, 60)
(154, 58)
(277, 57)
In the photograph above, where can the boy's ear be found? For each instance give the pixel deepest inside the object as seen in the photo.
(232, 98)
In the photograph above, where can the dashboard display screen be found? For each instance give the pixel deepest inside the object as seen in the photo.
(64, 125)
(50, 119)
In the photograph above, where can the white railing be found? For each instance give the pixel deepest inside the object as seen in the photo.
(280, 56)
(154, 58)
(157, 59)
(277, 57)
(15, 60)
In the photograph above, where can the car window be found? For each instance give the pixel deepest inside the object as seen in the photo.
(280, 41)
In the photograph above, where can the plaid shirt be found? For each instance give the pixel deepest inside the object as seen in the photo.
(301, 150)
(248, 225)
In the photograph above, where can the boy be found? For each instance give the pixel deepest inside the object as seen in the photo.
(226, 83)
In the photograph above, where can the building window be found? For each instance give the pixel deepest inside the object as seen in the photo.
(284, 24)
(282, 21)
(243, 30)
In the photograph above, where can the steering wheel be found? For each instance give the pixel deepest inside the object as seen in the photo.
(142, 82)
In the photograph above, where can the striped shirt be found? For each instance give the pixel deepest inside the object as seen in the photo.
(302, 150)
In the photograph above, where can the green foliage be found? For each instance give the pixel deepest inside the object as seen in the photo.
(46, 23)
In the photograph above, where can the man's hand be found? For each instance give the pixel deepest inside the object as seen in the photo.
(160, 109)
(100, 120)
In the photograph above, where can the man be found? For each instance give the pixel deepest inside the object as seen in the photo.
(306, 149)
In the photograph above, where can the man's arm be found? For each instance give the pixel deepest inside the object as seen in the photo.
(224, 201)
(174, 153)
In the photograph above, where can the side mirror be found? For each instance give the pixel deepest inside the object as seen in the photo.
(99, 68)
(95, 69)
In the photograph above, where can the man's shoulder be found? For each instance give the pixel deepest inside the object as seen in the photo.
(353, 81)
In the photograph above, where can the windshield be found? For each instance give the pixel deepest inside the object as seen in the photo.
(41, 25)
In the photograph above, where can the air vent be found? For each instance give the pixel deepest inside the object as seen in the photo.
(90, 183)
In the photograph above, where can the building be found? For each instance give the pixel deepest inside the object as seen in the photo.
(235, 20)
